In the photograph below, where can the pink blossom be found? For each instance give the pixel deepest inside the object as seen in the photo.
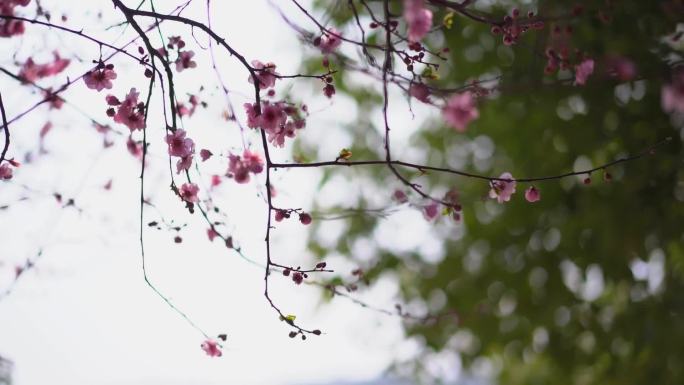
(134, 148)
(130, 112)
(272, 116)
(399, 196)
(51, 69)
(240, 167)
(211, 234)
(672, 95)
(31, 71)
(182, 110)
(453, 198)
(176, 41)
(501, 190)
(253, 161)
(330, 41)
(10, 27)
(188, 192)
(44, 130)
(183, 164)
(430, 211)
(212, 348)
(277, 136)
(194, 101)
(205, 154)
(265, 73)
(329, 90)
(305, 218)
(5, 172)
(237, 169)
(102, 128)
(185, 61)
(583, 70)
(420, 92)
(418, 18)
(112, 100)
(622, 68)
(99, 79)
(298, 278)
(55, 101)
(133, 120)
(215, 180)
(532, 194)
(278, 120)
(253, 120)
(179, 145)
(460, 110)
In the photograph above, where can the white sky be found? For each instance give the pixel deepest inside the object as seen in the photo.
(84, 314)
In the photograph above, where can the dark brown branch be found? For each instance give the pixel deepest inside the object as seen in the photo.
(5, 128)
(133, 12)
(70, 81)
(72, 31)
(646, 151)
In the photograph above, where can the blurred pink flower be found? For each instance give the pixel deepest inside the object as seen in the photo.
(420, 92)
(418, 18)
(188, 192)
(5, 172)
(672, 95)
(431, 211)
(211, 348)
(460, 110)
(532, 194)
(129, 112)
(330, 41)
(583, 70)
(179, 145)
(31, 71)
(185, 61)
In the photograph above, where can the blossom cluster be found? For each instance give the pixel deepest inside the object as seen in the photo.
(128, 112)
(278, 119)
(182, 148)
(31, 71)
(504, 187)
(184, 57)
(265, 74)
(514, 26)
(239, 167)
(183, 110)
(10, 27)
(188, 192)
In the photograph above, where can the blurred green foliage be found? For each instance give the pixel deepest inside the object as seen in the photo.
(568, 290)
